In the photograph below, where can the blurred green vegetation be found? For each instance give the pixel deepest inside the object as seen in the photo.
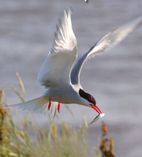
(54, 141)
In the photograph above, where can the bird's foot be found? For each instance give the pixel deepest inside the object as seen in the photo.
(49, 104)
(58, 106)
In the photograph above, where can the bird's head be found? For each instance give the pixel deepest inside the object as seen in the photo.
(91, 100)
(92, 103)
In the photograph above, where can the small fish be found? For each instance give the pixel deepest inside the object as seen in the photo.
(97, 118)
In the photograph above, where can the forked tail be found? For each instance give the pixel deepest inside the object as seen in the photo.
(35, 105)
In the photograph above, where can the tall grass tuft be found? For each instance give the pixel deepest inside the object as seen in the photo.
(13, 142)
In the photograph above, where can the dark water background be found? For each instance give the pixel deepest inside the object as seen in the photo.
(114, 78)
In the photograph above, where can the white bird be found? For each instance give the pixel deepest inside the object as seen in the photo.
(60, 72)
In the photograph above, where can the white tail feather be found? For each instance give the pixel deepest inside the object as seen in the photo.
(35, 105)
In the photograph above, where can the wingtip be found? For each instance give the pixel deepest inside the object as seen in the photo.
(66, 17)
(68, 12)
(138, 21)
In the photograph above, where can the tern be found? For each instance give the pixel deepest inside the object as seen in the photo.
(60, 72)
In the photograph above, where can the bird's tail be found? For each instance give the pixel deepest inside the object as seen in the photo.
(34, 105)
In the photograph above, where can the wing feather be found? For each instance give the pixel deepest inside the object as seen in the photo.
(64, 36)
(107, 42)
(56, 68)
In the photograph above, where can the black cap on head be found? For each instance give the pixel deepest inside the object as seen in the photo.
(87, 96)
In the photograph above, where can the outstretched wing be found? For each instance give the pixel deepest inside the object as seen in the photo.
(108, 41)
(55, 70)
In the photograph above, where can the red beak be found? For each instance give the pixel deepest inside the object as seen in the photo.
(100, 113)
(96, 108)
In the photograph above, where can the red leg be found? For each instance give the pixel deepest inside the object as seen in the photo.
(59, 107)
(49, 104)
